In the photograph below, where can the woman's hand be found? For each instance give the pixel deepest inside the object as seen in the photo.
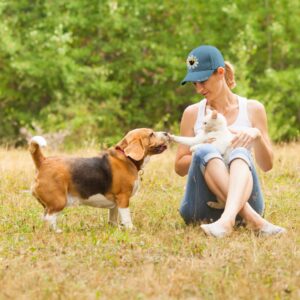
(209, 141)
(245, 138)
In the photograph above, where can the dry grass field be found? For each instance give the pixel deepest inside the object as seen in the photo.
(162, 259)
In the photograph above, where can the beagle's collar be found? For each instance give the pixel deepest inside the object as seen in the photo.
(137, 164)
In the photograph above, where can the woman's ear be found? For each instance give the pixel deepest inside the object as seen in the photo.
(221, 71)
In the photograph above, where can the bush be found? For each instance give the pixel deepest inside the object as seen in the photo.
(99, 69)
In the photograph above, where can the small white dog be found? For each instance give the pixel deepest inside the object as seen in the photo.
(214, 128)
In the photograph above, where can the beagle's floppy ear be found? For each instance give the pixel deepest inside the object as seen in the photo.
(135, 150)
(123, 144)
(214, 114)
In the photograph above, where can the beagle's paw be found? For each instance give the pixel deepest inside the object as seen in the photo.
(129, 227)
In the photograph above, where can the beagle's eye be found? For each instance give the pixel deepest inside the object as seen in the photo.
(205, 123)
(151, 134)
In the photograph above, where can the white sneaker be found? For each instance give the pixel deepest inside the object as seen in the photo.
(269, 229)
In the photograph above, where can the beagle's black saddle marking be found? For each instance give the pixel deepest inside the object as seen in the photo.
(91, 175)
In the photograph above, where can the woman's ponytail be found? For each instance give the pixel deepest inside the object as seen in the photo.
(229, 75)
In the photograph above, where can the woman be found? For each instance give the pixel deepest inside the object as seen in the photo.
(209, 177)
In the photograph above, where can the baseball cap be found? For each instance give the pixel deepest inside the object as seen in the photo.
(202, 62)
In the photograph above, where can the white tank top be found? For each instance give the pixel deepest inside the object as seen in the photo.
(242, 120)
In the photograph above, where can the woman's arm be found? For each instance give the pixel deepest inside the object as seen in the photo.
(257, 136)
(184, 157)
(262, 145)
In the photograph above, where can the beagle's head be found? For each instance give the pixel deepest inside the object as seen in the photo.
(141, 142)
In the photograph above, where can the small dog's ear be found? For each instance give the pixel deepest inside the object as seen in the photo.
(135, 150)
(214, 114)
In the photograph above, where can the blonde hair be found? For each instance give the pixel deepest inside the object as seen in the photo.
(229, 75)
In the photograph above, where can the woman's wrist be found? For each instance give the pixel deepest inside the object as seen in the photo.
(258, 134)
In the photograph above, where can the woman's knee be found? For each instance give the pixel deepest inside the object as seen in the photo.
(241, 153)
(205, 151)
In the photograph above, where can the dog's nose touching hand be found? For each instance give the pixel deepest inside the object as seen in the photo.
(170, 136)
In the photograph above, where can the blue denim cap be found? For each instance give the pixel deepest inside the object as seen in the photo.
(202, 62)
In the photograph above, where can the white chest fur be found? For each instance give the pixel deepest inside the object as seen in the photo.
(136, 186)
(137, 183)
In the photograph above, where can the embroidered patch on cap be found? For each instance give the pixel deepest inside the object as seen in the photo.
(192, 62)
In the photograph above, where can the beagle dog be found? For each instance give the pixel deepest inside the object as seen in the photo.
(107, 180)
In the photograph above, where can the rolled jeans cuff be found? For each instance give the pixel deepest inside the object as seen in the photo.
(203, 160)
(241, 153)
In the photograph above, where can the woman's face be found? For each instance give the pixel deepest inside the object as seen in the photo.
(212, 87)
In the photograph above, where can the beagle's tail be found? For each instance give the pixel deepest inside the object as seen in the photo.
(35, 145)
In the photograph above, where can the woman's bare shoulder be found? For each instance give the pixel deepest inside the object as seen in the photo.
(254, 104)
(256, 110)
(188, 120)
(191, 110)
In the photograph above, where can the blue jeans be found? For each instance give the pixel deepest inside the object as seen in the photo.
(194, 204)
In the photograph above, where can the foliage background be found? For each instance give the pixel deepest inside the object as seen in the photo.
(98, 68)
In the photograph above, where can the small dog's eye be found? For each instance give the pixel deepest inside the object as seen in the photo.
(204, 123)
(151, 134)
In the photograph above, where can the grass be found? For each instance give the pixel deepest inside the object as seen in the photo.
(162, 259)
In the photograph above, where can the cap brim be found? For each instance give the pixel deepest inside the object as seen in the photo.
(197, 76)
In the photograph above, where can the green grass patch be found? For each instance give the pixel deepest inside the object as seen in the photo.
(162, 259)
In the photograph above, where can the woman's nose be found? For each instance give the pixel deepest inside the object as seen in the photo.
(199, 86)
